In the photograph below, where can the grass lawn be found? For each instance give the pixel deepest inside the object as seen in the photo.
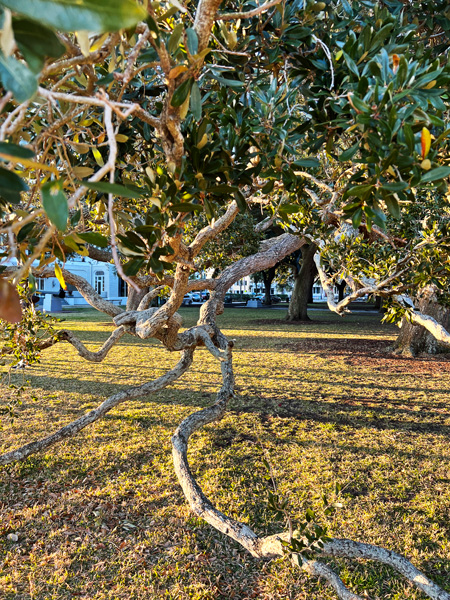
(101, 516)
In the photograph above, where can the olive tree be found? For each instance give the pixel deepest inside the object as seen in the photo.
(114, 139)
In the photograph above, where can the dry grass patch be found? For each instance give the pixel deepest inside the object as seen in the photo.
(101, 516)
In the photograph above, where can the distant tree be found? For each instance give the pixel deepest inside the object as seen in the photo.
(305, 273)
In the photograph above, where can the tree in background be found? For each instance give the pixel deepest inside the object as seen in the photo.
(304, 272)
(112, 141)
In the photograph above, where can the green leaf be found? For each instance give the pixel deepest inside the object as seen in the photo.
(132, 267)
(268, 187)
(112, 188)
(181, 93)
(234, 83)
(240, 200)
(192, 41)
(54, 201)
(76, 15)
(409, 137)
(347, 7)
(15, 151)
(349, 153)
(392, 206)
(312, 163)
(17, 78)
(96, 239)
(222, 189)
(351, 64)
(196, 102)
(153, 26)
(36, 42)
(289, 209)
(360, 190)
(11, 185)
(435, 174)
(175, 37)
(359, 104)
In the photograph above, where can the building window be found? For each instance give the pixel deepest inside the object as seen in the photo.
(99, 281)
(123, 288)
(40, 284)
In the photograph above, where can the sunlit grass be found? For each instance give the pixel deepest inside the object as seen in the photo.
(101, 516)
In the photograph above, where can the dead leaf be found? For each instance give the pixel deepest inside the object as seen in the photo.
(10, 309)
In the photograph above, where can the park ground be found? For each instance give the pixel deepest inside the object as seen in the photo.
(102, 516)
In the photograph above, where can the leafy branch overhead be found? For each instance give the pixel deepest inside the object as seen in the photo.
(173, 139)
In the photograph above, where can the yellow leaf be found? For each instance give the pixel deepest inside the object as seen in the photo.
(121, 138)
(98, 157)
(59, 276)
(430, 85)
(31, 164)
(173, 73)
(151, 174)
(155, 201)
(83, 42)
(97, 44)
(7, 42)
(185, 107)
(425, 141)
(203, 141)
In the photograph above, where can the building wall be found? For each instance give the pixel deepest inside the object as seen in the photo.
(101, 276)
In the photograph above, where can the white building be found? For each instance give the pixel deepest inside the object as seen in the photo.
(101, 276)
(104, 279)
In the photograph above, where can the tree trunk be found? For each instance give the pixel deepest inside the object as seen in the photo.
(268, 277)
(304, 280)
(415, 339)
(341, 288)
(135, 297)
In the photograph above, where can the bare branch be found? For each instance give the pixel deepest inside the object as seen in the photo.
(271, 546)
(351, 549)
(146, 300)
(418, 318)
(273, 251)
(204, 20)
(88, 354)
(211, 231)
(89, 100)
(319, 569)
(320, 184)
(70, 430)
(248, 14)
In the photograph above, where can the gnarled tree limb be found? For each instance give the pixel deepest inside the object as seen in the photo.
(69, 430)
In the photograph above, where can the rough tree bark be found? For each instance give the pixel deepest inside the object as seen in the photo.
(415, 339)
(304, 280)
